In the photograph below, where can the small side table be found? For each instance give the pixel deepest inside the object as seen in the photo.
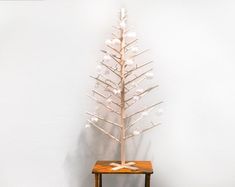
(103, 167)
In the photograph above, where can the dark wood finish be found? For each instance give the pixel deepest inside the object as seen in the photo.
(100, 183)
(147, 180)
(96, 180)
(103, 167)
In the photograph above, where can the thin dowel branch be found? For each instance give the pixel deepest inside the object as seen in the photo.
(114, 57)
(107, 89)
(139, 53)
(137, 120)
(118, 52)
(132, 42)
(142, 110)
(109, 81)
(135, 85)
(111, 69)
(104, 131)
(142, 93)
(101, 81)
(105, 106)
(115, 35)
(142, 131)
(102, 119)
(137, 77)
(101, 95)
(136, 68)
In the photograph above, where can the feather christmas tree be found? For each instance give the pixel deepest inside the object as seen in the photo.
(117, 89)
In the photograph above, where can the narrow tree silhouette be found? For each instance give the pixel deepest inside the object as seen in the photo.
(117, 89)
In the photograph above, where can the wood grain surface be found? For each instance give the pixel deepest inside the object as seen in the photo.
(103, 167)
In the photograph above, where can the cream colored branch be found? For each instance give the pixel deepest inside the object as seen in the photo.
(133, 123)
(130, 43)
(127, 30)
(111, 69)
(127, 105)
(136, 83)
(116, 103)
(104, 131)
(137, 77)
(118, 52)
(144, 130)
(102, 119)
(143, 93)
(136, 68)
(106, 88)
(115, 35)
(114, 57)
(111, 92)
(102, 103)
(142, 110)
(101, 95)
(116, 28)
(137, 120)
(124, 17)
(99, 80)
(107, 80)
(139, 53)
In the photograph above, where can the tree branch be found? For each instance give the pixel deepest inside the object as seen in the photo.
(104, 131)
(115, 35)
(139, 53)
(114, 57)
(102, 103)
(130, 43)
(101, 95)
(138, 82)
(144, 130)
(118, 52)
(111, 69)
(142, 110)
(139, 76)
(102, 119)
(143, 93)
(137, 120)
(107, 80)
(99, 80)
(136, 68)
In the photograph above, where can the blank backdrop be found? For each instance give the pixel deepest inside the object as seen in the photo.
(49, 48)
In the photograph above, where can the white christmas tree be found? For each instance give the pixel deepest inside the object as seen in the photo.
(117, 89)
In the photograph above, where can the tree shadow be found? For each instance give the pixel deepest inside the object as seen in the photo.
(92, 146)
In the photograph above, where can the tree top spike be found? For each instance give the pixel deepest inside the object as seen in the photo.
(123, 13)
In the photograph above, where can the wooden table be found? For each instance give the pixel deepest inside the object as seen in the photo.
(103, 167)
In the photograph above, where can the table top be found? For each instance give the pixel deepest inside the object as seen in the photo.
(103, 167)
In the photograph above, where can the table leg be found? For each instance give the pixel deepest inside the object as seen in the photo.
(100, 180)
(147, 180)
(96, 180)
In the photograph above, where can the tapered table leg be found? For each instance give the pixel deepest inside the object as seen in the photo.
(96, 180)
(147, 180)
(100, 180)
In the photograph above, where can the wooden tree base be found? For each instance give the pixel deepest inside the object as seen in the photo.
(128, 165)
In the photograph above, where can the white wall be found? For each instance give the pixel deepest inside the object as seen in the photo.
(48, 49)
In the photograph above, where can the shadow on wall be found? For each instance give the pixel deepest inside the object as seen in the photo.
(92, 146)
